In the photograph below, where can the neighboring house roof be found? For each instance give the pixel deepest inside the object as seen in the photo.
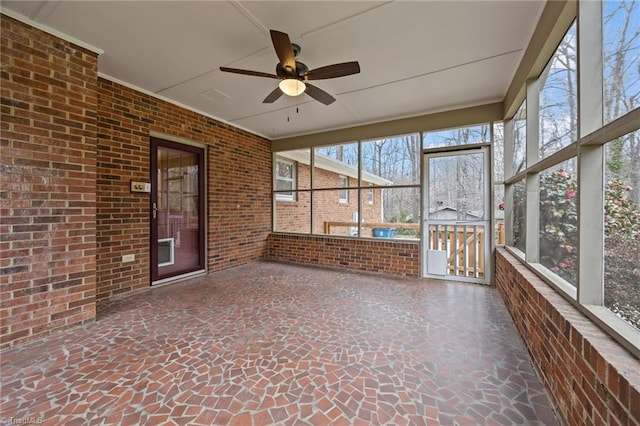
(332, 165)
(447, 212)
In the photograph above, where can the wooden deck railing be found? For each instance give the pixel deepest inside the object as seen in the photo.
(329, 225)
(415, 226)
(465, 248)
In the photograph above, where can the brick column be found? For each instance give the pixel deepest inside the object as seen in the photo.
(48, 183)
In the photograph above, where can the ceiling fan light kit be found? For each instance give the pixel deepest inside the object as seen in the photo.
(292, 87)
(294, 75)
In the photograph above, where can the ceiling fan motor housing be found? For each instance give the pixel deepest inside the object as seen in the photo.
(296, 49)
(301, 70)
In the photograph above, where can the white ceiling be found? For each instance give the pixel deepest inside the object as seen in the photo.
(416, 57)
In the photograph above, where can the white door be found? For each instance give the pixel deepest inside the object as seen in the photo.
(456, 232)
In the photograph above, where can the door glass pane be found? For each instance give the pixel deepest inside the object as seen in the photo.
(457, 229)
(177, 215)
(456, 187)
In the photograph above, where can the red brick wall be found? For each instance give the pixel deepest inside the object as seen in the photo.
(390, 257)
(48, 178)
(590, 378)
(238, 185)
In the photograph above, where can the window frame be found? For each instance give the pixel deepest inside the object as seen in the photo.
(281, 194)
(588, 148)
(343, 192)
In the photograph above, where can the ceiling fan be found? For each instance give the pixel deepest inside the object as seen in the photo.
(294, 75)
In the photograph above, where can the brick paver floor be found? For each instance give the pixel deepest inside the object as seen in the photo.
(270, 343)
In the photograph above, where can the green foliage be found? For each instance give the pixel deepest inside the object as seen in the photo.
(615, 159)
(559, 224)
(622, 277)
(559, 220)
(621, 214)
(519, 215)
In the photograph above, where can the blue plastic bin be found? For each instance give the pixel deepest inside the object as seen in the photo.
(384, 232)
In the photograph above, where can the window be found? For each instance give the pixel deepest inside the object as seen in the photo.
(285, 179)
(576, 206)
(559, 220)
(519, 208)
(334, 219)
(520, 139)
(343, 194)
(333, 161)
(558, 116)
(375, 183)
(621, 52)
(459, 136)
(498, 179)
(391, 170)
(292, 196)
(622, 228)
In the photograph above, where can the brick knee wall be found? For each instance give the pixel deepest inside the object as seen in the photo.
(590, 378)
(48, 181)
(390, 257)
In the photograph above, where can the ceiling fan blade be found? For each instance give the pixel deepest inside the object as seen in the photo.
(273, 96)
(333, 71)
(249, 72)
(319, 94)
(282, 45)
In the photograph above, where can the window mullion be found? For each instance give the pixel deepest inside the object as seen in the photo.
(590, 158)
(509, 142)
(312, 195)
(532, 180)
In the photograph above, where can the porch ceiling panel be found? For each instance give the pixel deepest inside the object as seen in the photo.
(415, 57)
(439, 91)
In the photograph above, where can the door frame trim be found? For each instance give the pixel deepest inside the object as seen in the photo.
(486, 148)
(191, 146)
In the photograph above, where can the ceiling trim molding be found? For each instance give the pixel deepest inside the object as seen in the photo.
(178, 104)
(436, 121)
(42, 27)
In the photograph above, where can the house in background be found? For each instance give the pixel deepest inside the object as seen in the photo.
(451, 213)
(337, 203)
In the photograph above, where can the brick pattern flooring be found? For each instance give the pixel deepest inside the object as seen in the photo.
(270, 343)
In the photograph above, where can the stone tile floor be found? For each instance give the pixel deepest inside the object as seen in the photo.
(270, 343)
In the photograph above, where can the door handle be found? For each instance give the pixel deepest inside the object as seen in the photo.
(154, 208)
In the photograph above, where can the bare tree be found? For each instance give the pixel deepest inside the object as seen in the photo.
(622, 87)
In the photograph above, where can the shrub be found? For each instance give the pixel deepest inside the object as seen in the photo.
(622, 277)
(558, 211)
